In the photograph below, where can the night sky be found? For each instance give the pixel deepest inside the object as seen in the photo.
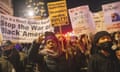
(94, 5)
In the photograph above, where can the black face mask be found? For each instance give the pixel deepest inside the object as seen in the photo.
(106, 46)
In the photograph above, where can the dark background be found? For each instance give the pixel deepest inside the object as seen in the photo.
(94, 5)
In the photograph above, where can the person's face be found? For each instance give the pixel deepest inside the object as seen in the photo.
(51, 44)
(104, 39)
(85, 39)
(105, 44)
(118, 54)
(113, 16)
(41, 38)
(117, 36)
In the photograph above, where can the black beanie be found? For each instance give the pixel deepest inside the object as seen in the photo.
(100, 34)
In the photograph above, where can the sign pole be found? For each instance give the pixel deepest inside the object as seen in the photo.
(62, 43)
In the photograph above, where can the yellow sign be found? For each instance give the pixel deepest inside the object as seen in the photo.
(58, 13)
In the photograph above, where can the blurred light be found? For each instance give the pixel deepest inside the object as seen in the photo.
(30, 13)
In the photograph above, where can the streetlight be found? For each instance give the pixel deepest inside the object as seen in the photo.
(30, 13)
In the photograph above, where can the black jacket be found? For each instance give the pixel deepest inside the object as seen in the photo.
(100, 63)
(47, 64)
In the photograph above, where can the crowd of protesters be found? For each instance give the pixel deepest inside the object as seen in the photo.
(57, 53)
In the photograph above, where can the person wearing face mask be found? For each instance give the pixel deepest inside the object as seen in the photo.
(102, 60)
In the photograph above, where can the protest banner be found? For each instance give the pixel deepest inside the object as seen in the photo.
(99, 21)
(58, 13)
(81, 20)
(112, 16)
(22, 30)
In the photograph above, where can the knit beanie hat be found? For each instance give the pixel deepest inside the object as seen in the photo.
(50, 36)
(100, 34)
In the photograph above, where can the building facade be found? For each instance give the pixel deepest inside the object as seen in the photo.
(6, 7)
